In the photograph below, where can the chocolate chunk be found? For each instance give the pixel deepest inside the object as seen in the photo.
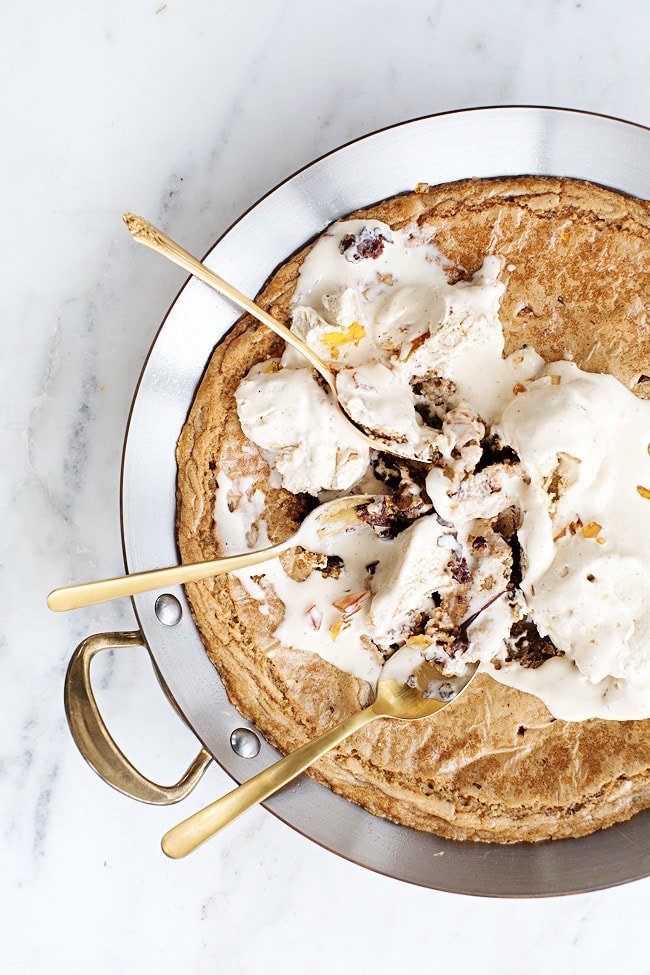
(368, 243)
(527, 647)
(494, 452)
(408, 499)
(459, 569)
(382, 516)
(333, 567)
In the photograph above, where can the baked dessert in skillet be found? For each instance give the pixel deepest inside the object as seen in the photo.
(563, 268)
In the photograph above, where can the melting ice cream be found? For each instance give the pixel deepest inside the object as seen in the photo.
(514, 453)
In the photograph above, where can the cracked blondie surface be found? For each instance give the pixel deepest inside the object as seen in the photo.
(575, 262)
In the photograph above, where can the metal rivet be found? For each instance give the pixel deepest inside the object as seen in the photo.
(245, 743)
(168, 609)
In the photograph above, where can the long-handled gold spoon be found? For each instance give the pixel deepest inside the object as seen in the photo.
(394, 699)
(145, 233)
(327, 519)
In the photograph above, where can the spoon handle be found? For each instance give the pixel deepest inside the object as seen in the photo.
(89, 593)
(145, 233)
(192, 832)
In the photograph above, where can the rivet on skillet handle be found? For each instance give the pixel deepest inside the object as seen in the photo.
(94, 740)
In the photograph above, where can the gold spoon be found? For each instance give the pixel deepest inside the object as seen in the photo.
(145, 233)
(394, 699)
(328, 518)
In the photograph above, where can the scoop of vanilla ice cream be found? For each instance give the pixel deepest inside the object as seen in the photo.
(406, 314)
(484, 494)
(379, 304)
(403, 585)
(379, 400)
(583, 440)
(465, 312)
(286, 412)
(466, 346)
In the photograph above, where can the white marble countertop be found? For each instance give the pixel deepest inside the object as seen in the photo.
(189, 112)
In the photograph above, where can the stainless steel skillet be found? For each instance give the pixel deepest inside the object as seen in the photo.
(478, 142)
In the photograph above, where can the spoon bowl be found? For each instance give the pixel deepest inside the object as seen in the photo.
(326, 519)
(405, 700)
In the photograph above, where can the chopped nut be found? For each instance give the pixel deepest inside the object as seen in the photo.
(336, 628)
(415, 344)
(233, 497)
(555, 379)
(315, 616)
(518, 388)
(421, 187)
(644, 491)
(590, 530)
(351, 602)
(572, 529)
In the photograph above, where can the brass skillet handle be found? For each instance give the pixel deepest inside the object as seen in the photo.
(94, 740)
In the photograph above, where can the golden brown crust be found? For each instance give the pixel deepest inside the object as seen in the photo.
(497, 767)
